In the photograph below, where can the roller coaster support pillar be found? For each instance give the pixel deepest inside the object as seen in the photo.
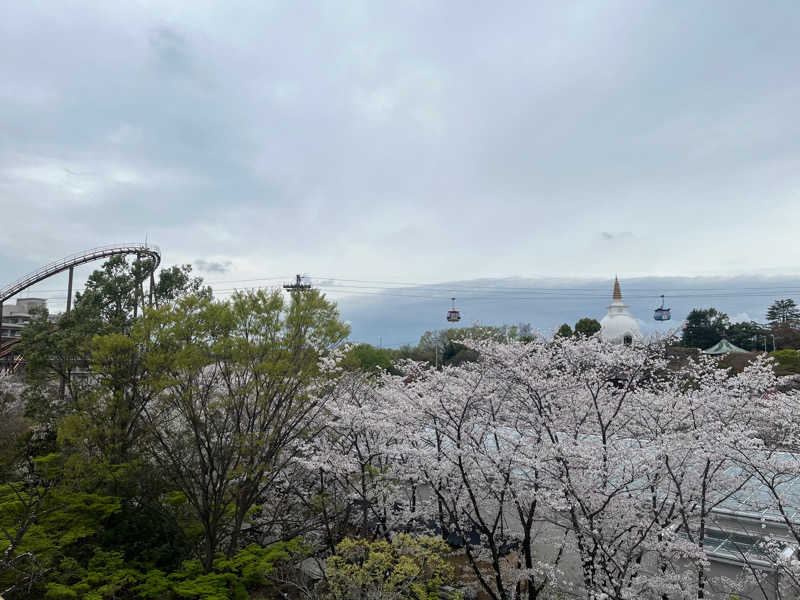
(62, 385)
(69, 290)
(152, 285)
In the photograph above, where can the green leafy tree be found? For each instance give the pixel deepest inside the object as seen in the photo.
(704, 328)
(108, 575)
(93, 431)
(587, 327)
(784, 312)
(176, 282)
(744, 334)
(231, 403)
(564, 331)
(369, 358)
(444, 347)
(110, 303)
(45, 522)
(116, 293)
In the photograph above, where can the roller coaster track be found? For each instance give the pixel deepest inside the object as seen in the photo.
(7, 348)
(73, 260)
(68, 263)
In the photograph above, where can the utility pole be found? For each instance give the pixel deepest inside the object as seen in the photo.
(298, 286)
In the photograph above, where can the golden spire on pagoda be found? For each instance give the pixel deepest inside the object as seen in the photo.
(617, 292)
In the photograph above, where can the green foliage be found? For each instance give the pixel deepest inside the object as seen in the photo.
(564, 331)
(46, 518)
(114, 293)
(366, 357)
(784, 312)
(14, 427)
(228, 380)
(443, 347)
(744, 334)
(93, 503)
(587, 327)
(108, 576)
(787, 362)
(149, 532)
(115, 296)
(704, 328)
(53, 352)
(111, 303)
(408, 567)
(176, 282)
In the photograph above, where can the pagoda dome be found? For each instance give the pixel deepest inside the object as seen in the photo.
(619, 326)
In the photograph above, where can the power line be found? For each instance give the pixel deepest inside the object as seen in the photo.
(466, 286)
(392, 292)
(485, 293)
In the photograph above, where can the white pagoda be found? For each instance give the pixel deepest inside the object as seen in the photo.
(619, 326)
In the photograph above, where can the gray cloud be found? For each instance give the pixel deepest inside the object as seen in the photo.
(421, 142)
(216, 267)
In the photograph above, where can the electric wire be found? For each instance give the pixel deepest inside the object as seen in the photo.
(468, 292)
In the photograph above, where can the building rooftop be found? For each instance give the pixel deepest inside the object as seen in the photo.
(723, 347)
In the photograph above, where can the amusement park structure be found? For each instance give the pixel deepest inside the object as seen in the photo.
(69, 263)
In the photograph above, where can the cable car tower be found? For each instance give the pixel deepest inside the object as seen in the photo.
(301, 284)
(661, 313)
(453, 315)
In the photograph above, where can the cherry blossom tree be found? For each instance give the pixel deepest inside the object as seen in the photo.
(360, 456)
(555, 459)
(775, 470)
(457, 441)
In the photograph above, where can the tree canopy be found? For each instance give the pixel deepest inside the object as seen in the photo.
(587, 327)
(704, 328)
(745, 334)
(564, 331)
(226, 449)
(784, 312)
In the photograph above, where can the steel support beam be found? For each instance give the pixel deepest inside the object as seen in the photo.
(69, 290)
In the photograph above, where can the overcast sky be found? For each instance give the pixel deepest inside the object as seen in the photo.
(405, 141)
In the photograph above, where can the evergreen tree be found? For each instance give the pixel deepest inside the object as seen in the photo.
(587, 327)
(704, 328)
(564, 331)
(743, 334)
(784, 312)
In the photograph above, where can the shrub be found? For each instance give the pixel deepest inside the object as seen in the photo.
(408, 567)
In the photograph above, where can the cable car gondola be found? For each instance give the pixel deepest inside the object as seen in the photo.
(661, 313)
(453, 316)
